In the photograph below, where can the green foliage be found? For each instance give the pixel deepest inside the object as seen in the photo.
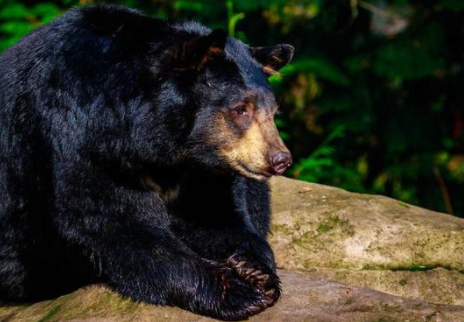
(322, 165)
(454, 5)
(233, 18)
(316, 66)
(412, 58)
(373, 100)
(17, 20)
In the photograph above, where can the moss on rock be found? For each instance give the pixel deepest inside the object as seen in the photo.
(364, 239)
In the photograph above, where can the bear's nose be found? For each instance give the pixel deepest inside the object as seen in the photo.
(281, 161)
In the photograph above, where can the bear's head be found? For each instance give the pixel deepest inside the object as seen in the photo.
(232, 103)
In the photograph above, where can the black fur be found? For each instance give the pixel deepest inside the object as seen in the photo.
(90, 105)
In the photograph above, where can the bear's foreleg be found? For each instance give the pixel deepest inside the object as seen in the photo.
(131, 247)
(245, 252)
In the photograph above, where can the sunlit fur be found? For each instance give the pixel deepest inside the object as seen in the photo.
(249, 153)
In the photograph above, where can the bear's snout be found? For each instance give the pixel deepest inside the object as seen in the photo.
(280, 162)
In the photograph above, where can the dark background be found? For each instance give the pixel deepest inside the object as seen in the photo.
(374, 99)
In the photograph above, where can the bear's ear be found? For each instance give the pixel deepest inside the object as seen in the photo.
(273, 58)
(194, 54)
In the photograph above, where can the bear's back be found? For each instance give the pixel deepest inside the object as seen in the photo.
(89, 54)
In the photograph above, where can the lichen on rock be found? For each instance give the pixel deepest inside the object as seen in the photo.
(367, 240)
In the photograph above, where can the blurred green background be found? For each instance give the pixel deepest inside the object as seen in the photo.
(374, 99)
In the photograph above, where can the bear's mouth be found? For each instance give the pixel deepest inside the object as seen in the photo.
(247, 172)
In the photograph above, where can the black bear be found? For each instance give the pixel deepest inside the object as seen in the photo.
(135, 152)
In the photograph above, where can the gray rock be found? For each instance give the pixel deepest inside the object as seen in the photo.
(437, 285)
(305, 299)
(368, 240)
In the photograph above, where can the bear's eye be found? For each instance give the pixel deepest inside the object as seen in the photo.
(241, 113)
(241, 110)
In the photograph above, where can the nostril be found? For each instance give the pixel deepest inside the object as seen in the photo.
(282, 157)
(281, 161)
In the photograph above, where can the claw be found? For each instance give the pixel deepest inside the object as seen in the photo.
(270, 292)
(254, 308)
(240, 264)
(268, 301)
(255, 273)
(249, 271)
(263, 277)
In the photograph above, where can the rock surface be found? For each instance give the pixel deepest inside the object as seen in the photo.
(437, 285)
(328, 234)
(306, 299)
(368, 240)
